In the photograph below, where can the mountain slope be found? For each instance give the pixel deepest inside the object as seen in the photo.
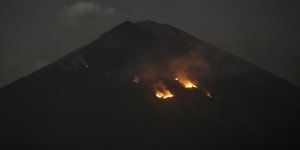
(88, 100)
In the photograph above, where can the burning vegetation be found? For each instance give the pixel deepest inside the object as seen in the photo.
(183, 69)
(161, 90)
(185, 81)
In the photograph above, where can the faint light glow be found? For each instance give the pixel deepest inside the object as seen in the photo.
(86, 65)
(208, 94)
(136, 79)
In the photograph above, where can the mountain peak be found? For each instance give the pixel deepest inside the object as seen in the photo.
(126, 26)
(155, 83)
(147, 22)
(126, 23)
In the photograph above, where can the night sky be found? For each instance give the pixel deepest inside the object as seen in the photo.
(35, 33)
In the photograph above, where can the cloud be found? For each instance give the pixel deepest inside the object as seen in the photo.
(87, 8)
(81, 23)
(57, 34)
(83, 13)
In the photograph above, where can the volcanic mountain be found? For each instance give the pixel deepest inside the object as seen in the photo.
(147, 85)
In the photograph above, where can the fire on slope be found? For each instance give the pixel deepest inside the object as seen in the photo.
(161, 90)
(185, 69)
(185, 81)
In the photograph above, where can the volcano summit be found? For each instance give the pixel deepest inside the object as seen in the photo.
(147, 85)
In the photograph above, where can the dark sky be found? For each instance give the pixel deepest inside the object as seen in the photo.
(37, 32)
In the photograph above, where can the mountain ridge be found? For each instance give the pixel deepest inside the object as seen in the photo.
(89, 96)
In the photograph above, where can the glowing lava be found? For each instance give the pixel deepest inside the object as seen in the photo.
(161, 91)
(185, 81)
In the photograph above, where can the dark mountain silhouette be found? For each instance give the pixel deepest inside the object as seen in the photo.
(88, 100)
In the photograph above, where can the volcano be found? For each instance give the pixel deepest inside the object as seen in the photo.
(147, 85)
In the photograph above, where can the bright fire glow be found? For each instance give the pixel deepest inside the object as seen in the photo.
(161, 91)
(185, 81)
